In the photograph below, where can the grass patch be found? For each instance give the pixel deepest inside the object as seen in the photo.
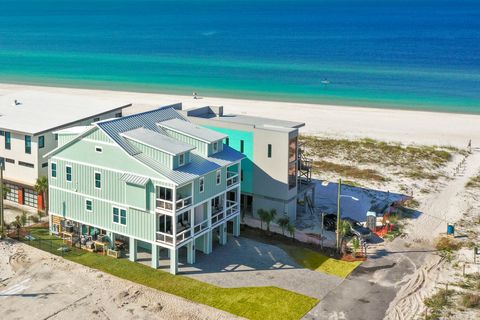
(314, 261)
(249, 302)
(470, 300)
(348, 171)
(474, 182)
(438, 302)
(448, 244)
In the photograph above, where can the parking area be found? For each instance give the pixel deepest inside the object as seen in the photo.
(244, 262)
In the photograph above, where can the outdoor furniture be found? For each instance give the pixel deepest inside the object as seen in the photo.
(101, 247)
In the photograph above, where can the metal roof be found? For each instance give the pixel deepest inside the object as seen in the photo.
(158, 141)
(193, 130)
(199, 164)
(73, 130)
(134, 179)
(37, 111)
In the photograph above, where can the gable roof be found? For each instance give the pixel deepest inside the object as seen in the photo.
(192, 130)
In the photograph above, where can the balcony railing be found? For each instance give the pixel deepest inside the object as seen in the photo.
(218, 217)
(232, 207)
(164, 204)
(232, 178)
(184, 235)
(184, 202)
(201, 226)
(164, 237)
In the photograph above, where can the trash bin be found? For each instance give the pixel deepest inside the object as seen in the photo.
(450, 229)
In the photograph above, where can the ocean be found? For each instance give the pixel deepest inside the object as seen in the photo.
(421, 55)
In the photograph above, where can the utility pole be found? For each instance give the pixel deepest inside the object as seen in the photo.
(338, 213)
(1, 201)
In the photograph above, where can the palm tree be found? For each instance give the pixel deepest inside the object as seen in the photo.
(270, 216)
(42, 188)
(262, 214)
(344, 229)
(283, 223)
(291, 229)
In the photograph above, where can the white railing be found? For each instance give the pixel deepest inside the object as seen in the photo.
(164, 204)
(218, 217)
(185, 234)
(184, 202)
(201, 226)
(232, 178)
(232, 207)
(164, 237)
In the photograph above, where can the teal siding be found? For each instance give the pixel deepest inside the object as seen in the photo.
(65, 138)
(175, 160)
(211, 187)
(136, 196)
(140, 224)
(98, 135)
(210, 148)
(235, 136)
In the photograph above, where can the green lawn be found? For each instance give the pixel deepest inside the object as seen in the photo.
(314, 261)
(249, 302)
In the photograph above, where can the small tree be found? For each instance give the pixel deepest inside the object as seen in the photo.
(17, 224)
(355, 246)
(269, 218)
(344, 229)
(262, 214)
(291, 229)
(23, 219)
(41, 186)
(283, 223)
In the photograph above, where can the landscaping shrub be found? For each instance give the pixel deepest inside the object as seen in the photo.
(470, 300)
(448, 244)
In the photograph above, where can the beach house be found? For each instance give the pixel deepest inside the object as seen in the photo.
(151, 183)
(275, 174)
(28, 121)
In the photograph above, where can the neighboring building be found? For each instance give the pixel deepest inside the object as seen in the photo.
(274, 173)
(28, 120)
(147, 181)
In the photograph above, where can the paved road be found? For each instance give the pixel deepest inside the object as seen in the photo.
(368, 291)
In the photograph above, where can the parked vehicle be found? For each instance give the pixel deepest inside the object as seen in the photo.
(330, 224)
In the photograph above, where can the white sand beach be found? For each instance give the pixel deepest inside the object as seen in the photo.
(403, 126)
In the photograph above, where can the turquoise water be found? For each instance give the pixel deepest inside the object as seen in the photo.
(393, 54)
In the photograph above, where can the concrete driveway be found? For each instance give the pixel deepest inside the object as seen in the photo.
(245, 263)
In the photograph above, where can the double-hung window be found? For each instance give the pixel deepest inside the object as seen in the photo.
(201, 184)
(119, 216)
(89, 205)
(28, 144)
(98, 180)
(8, 140)
(181, 159)
(53, 167)
(218, 176)
(41, 142)
(68, 173)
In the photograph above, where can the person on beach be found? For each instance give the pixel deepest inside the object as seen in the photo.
(469, 146)
(195, 95)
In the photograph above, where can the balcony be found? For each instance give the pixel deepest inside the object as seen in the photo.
(217, 218)
(164, 204)
(184, 235)
(232, 207)
(164, 237)
(232, 178)
(199, 227)
(184, 202)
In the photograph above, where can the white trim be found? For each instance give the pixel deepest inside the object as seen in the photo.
(95, 180)
(201, 186)
(179, 157)
(86, 206)
(119, 216)
(98, 149)
(215, 149)
(66, 174)
(100, 199)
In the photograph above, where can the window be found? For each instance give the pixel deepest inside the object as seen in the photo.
(26, 164)
(68, 171)
(269, 152)
(8, 140)
(227, 141)
(219, 176)
(215, 146)
(45, 164)
(118, 115)
(2, 133)
(98, 180)
(181, 159)
(96, 119)
(165, 223)
(164, 193)
(56, 137)
(99, 149)
(2, 163)
(41, 142)
(28, 144)
(89, 205)
(242, 146)
(119, 216)
(201, 184)
(53, 167)
(9, 160)
(241, 174)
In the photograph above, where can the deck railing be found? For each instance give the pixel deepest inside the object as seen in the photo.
(184, 235)
(218, 217)
(164, 237)
(184, 202)
(164, 204)
(232, 178)
(232, 207)
(199, 227)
